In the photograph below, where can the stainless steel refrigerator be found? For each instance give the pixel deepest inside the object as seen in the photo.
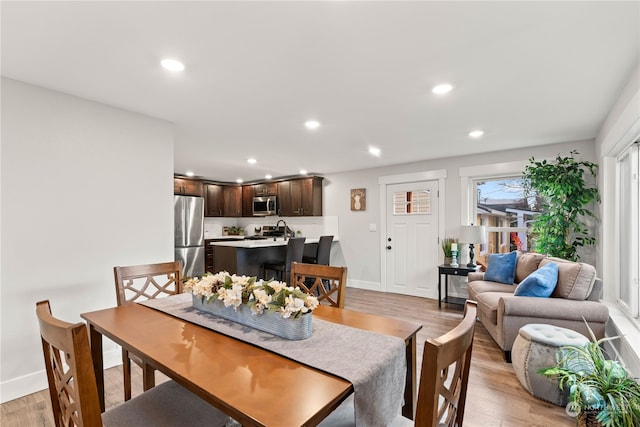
(189, 234)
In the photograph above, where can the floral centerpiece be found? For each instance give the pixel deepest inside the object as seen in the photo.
(271, 306)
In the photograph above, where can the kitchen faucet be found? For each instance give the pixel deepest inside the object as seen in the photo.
(285, 227)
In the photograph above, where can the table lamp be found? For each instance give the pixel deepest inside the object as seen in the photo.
(472, 234)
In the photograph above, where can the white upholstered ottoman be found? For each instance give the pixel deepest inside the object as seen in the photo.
(536, 347)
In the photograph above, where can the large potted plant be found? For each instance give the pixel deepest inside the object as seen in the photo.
(601, 392)
(566, 190)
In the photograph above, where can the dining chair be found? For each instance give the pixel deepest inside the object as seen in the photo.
(328, 283)
(74, 391)
(444, 378)
(295, 249)
(323, 252)
(139, 283)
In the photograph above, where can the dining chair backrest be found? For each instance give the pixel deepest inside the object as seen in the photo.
(327, 283)
(74, 391)
(69, 366)
(442, 395)
(324, 250)
(148, 281)
(139, 283)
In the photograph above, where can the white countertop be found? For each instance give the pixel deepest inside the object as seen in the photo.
(230, 237)
(269, 242)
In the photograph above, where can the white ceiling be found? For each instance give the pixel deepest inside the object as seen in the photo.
(528, 73)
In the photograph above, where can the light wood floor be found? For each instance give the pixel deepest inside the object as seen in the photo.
(495, 397)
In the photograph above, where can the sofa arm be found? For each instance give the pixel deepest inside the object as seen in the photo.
(552, 308)
(475, 276)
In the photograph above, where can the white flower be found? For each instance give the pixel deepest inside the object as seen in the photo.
(311, 302)
(261, 301)
(231, 297)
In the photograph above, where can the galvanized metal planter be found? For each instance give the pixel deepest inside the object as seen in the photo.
(292, 329)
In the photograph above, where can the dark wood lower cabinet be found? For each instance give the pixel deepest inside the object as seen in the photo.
(208, 256)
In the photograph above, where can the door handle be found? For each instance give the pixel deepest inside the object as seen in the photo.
(389, 247)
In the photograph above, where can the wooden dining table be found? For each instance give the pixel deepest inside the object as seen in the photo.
(252, 385)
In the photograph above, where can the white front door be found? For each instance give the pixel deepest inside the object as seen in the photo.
(412, 245)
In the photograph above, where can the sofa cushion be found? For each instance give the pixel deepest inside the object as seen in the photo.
(528, 262)
(575, 279)
(540, 283)
(477, 287)
(481, 286)
(501, 268)
(488, 305)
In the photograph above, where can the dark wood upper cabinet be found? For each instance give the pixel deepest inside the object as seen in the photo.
(296, 197)
(232, 201)
(223, 200)
(300, 197)
(247, 200)
(187, 187)
(265, 189)
(214, 200)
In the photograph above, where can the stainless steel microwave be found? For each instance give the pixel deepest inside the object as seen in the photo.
(265, 206)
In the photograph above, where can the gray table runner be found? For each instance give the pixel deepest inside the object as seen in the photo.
(374, 363)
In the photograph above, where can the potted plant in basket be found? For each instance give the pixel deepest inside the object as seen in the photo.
(601, 391)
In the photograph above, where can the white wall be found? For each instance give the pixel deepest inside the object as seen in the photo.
(85, 187)
(359, 248)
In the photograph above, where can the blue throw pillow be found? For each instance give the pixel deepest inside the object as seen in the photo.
(540, 283)
(501, 268)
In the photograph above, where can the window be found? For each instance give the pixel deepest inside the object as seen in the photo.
(412, 202)
(628, 212)
(494, 197)
(501, 206)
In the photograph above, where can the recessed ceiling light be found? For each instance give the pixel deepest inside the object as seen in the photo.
(303, 171)
(312, 124)
(375, 151)
(239, 181)
(251, 161)
(189, 173)
(172, 65)
(268, 176)
(441, 89)
(476, 133)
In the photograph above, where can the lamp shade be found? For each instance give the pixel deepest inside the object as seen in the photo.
(473, 234)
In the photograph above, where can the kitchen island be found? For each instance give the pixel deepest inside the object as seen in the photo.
(245, 257)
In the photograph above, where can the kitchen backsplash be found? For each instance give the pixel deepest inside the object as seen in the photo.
(310, 227)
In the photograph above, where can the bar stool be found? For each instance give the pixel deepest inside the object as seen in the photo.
(295, 248)
(323, 253)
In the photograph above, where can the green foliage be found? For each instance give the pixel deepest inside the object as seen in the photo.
(446, 246)
(596, 383)
(235, 231)
(561, 187)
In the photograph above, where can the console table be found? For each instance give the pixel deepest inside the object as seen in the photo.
(448, 270)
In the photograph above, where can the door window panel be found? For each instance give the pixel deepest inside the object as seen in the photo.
(412, 202)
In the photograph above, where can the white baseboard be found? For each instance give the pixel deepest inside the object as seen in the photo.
(363, 284)
(36, 381)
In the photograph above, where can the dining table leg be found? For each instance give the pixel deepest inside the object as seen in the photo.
(96, 355)
(410, 386)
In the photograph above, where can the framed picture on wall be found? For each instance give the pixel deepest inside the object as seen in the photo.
(358, 199)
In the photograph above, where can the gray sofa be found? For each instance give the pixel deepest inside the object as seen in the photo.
(575, 297)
